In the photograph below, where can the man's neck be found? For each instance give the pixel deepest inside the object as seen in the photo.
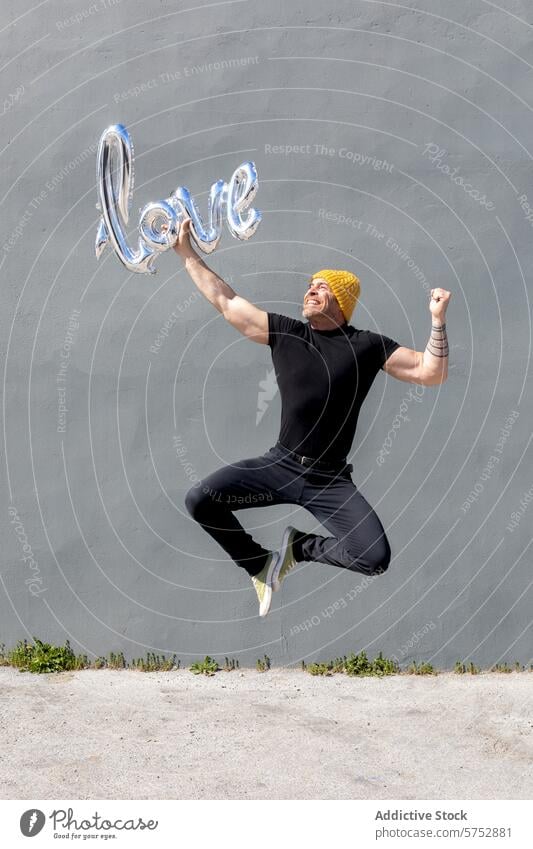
(324, 322)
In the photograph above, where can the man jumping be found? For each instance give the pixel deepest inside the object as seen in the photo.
(324, 368)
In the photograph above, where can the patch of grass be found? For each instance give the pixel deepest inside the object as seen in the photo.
(338, 664)
(353, 665)
(262, 664)
(501, 667)
(358, 664)
(421, 669)
(319, 669)
(44, 657)
(115, 661)
(155, 663)
(330, 667)
(41, 657)
(505, 667)
(207, 666)
(461, 668)
(112, 661)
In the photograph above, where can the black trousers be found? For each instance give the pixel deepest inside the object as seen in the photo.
(357, 542)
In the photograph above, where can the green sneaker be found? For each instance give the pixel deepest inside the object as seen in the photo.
(285, 560)
(263, 584)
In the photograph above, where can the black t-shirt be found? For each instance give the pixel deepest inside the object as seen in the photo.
(323, 378)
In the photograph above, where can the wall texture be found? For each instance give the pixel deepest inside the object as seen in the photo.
(392, 139)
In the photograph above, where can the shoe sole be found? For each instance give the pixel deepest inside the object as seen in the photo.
(268, 592)
(276, 584)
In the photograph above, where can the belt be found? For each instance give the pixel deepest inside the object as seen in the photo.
(320, 464)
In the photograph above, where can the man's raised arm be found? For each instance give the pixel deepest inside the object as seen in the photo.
(243, 315)
(428, 367)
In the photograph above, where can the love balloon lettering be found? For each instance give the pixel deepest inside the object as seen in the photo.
(159, 222)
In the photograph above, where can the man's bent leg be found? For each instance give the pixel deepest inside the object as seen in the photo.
(359, 542)
(213, 500)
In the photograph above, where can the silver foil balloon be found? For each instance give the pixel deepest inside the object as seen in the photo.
(153, 216)
(241, 191)
(114, 161)
(207, 238)
(160, 221)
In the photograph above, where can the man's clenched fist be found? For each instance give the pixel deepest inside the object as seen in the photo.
(439, 303)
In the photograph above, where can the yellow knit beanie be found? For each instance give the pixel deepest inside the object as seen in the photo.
(344, 285)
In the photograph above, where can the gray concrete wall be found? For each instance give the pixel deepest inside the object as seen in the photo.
(412, 165)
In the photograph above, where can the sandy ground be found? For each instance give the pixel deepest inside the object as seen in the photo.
(282, 734)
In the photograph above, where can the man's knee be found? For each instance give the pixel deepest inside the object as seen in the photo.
(196, 500)
(374, 561)
(380, 557)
